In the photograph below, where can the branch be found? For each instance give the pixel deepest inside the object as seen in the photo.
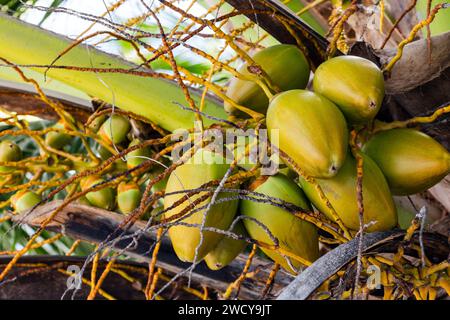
(95, 225)
(23, 99)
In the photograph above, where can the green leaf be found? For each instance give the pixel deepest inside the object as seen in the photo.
(441, 22)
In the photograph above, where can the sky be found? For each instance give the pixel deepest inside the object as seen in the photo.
(72, 26)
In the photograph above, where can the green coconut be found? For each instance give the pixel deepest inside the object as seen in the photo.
(103, 198)
(310, 129)
(135, 158)
(340, 190)
(354, 84)
(227, 249)
(9, 152)
(410, 160)
(115, 129)
(285, 65)
(128, 197)
(294, 235)
(203, 167)
(24, 200)
(58, 140)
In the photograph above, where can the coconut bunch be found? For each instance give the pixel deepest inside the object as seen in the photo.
(318, 174)
(116, 133)
(314, 127)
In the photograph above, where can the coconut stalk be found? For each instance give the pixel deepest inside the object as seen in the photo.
(331, 262)
(153, 98)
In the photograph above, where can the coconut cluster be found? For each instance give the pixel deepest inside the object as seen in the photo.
(313, 127)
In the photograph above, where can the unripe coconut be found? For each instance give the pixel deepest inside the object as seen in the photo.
(135, 158)
(156, 213)
(103, 153)
(160, 185)
(24, 200)
(410, 160)
(103, 198)
(97, 122)
(115, 129)
(9, 151)
(341, 192)
(285, 65)
(227, 249)
(311, 130)
(128, 197)
(57, 140)
(84, 201)
(355, 84)
(294, 235)
(203, 167)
